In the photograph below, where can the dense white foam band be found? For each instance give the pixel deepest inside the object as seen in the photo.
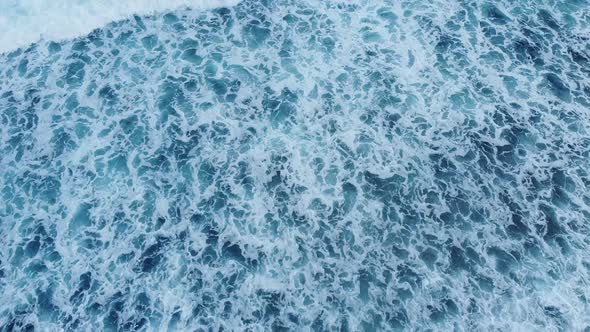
(23, 22)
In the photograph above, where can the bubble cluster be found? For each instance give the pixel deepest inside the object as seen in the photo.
(301, 165)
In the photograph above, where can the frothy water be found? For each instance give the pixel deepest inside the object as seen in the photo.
(301, 165)
(23, 22)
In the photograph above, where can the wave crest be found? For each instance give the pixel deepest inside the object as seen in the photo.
(24, 22)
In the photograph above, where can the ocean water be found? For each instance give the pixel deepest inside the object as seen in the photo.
(295, 165)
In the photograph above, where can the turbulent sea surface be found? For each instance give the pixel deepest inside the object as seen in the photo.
(301, 165)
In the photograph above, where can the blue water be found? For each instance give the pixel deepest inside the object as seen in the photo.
(302, 165)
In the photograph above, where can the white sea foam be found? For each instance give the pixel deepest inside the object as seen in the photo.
(23, 22)
(301, 164)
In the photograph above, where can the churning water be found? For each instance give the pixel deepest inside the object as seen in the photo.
(295, 165)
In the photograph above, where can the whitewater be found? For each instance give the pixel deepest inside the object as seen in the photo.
(277, 165)
(24, 22)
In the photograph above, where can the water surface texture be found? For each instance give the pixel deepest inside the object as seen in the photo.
(302, 165)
